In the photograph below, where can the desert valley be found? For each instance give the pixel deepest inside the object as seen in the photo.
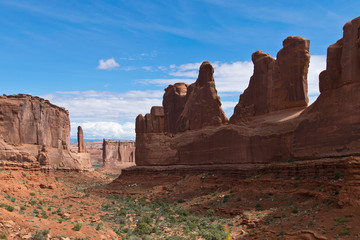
(278, 168)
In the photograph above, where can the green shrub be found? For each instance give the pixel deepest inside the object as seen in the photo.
(341, 220)
(143, 228)
(258, 207)
(339, 175)
(3, 236)
(146, 219)
(175, 238)
(7, 207)
(40, 235)
(210, 212)
(99, 226)
(77, 226)
(344, 233)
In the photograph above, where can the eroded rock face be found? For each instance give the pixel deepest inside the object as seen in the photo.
(118, 154)
(81, 142)
(271, 122)
(33, 120)
(153, 122)
(276, 84)
(202, 105)
(331, 125)
(33, 129)
(173, 102)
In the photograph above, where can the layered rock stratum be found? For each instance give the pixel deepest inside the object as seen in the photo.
(34, 131)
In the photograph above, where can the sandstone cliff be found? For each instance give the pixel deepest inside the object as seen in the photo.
(118, 154)
(271, 122)
(331, 125)
(276, 84)
(202, 104)
(33, 129)
(174, 102)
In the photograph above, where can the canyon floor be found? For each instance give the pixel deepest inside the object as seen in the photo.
(207, 205)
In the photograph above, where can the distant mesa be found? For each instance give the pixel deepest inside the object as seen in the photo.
(118, 155)
(271, 122)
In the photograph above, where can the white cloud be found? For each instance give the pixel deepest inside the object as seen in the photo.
(317, 65)
(107, 130)
(103, 111)
(147, 68)
(229, 77)
(167, 81)
(107, 64)
(235, 76)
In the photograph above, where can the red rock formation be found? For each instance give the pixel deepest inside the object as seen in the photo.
(118, 154)
(29, 125)
(151, 123)
(202, 106)
(280, 127)
(96, 152)
(81, 142)
(173, 102)
(276, 84)
(331, 125)
(33, 120)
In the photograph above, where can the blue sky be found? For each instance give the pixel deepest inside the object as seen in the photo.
(107, 61)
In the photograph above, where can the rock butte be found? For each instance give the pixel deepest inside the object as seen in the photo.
(271, 122)
(118, 155)
(34, 132)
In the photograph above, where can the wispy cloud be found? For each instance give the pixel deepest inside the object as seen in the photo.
(106, 114)
(108, 130)
(232, 77)
(106, 106)
(107, 64)
(317, 65)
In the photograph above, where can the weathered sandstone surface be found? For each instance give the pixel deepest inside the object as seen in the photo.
(174, 102)
(34, 130)
(271, 122)
(202, 104)
(118, 154)
(276, 84)
(331, 125)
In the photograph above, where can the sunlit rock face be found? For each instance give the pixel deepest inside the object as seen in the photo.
(276, 84)
(33, 128)
(271, 122)
(118, 154)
